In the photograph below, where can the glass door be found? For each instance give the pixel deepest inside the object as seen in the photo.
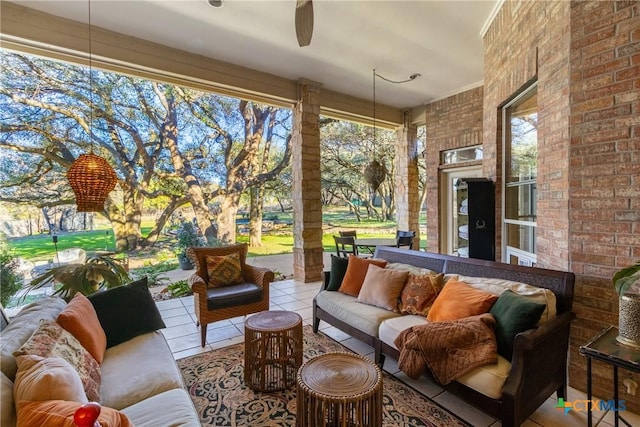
(454, 224)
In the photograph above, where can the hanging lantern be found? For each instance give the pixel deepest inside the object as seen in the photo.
(92, 179)
(374, 174)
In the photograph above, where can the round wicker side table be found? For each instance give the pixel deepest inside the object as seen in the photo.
(272, 350)
(339, 389)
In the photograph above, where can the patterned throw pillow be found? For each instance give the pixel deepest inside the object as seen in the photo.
(224, 270)
(51, 340)
(420, 292)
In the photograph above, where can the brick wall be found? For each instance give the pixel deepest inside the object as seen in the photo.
(604, 171)
(585, 57)
(454, 122)
(529, 41)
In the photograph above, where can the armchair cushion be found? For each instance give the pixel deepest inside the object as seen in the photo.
(224, 270)
(233, 295)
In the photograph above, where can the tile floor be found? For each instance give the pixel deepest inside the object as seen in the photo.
(184, 339)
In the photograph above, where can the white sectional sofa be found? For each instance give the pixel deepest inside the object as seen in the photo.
(139, 376)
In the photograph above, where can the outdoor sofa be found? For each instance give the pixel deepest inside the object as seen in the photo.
(138, 376)
(509, 390)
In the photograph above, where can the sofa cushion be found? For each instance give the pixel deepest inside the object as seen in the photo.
(126, 311)
(80, 319)
(363, 317)
(338, 270)
(223, 270)
(8, 412)
(488, 379)
(138, 369)
(59, 413)
(391, 328)
(420, 292)
(22, 327)
(50, 340)
(356, 272)
(533, 293)
(382, 287)
(152, 412)
(51, 378)
(513, 314)
(458, 300)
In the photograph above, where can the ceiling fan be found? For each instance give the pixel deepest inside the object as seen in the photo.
(304, 22)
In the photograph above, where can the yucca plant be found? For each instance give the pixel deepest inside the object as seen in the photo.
(98, 272)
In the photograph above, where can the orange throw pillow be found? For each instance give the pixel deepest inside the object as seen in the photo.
(458, 300)
(59, 413)
(355, 274)
(79, 318)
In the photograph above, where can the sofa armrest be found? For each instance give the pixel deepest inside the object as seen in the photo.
(325, 284)
(538, 366)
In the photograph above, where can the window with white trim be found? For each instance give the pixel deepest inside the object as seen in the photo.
(520, 125)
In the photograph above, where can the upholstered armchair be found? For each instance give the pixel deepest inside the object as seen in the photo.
(214, 302)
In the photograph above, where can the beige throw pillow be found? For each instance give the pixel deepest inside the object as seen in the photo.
(51, 378)
(382, 287)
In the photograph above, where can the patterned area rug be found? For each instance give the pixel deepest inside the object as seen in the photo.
(215, 382)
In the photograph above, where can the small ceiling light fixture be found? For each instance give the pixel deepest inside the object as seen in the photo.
(90, 176)
(375, 172)
(216, 3)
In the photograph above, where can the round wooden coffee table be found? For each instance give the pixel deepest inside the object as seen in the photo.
(339, 389)
(272, 350)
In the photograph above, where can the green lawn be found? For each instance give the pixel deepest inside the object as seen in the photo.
(40, 247)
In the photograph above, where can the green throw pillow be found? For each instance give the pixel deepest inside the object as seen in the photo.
(513, 314)
(338, 269)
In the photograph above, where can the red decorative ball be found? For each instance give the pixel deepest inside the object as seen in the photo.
(87, 414)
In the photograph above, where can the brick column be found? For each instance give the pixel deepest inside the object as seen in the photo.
(307, 204)
(407, 194)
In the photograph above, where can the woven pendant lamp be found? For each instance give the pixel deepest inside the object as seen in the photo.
(92, 179)
(374, 172)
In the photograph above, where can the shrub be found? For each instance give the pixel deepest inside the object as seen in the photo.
(10, 280)
(179, 289)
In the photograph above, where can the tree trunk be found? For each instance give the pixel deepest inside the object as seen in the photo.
(162, 219)
(184, 170)
(226, 220)
(255, 221)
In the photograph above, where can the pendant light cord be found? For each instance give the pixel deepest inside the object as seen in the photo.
(374, 114)
(409, 79)
(90, 85)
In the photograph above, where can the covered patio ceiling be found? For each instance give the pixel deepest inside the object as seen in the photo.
(441, 40)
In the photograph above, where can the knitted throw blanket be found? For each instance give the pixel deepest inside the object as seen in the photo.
(449, 349)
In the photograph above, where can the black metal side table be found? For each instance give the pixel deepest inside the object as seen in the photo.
(607, 349)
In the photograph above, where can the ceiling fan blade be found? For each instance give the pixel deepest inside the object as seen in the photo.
(304, 22)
